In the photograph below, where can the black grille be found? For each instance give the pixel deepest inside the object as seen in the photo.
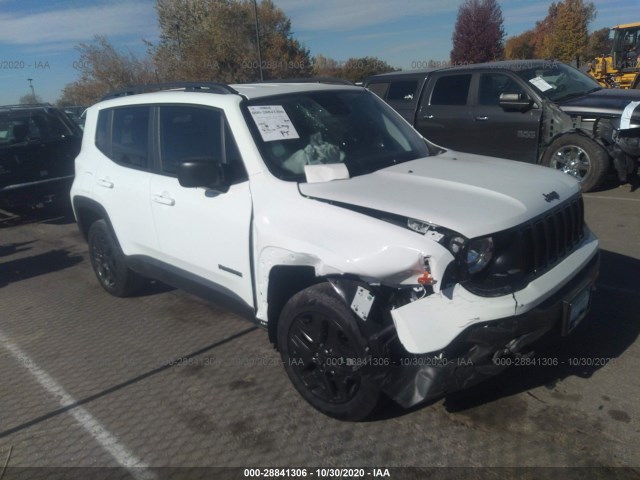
(549, 238)
(525, 252)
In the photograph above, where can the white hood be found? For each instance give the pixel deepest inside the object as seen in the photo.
(470, 194)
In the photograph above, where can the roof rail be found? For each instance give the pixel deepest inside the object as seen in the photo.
(26, 105)
(207, 87)
(330, 80)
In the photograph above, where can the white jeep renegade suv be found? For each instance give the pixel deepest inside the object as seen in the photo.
(377, 262)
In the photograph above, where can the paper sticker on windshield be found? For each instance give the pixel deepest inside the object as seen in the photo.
(625, 121)
(541, 84)
(273, 123)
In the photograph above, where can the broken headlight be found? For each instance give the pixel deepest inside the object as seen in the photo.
(478, 253)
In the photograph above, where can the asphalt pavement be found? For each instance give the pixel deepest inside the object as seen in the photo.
(165, 384)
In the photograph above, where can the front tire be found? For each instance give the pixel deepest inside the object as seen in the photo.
(109, 262)
(324, 352)
(580, 157)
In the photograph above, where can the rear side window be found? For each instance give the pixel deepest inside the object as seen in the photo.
(122, 134)
(451, 90)
(130, 137)
(404, 91)
(103, 139)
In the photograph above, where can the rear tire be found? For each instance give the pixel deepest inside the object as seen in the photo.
(580, 157)
(109, 263)
(317, 334)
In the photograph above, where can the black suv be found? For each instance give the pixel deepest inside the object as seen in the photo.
(534, 111)
(38, 145)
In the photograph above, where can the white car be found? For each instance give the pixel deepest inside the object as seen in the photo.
(378, 263)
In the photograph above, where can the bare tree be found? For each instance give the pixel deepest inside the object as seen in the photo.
(29, 98)
(204, 40)
(102, 69)
(479, 32)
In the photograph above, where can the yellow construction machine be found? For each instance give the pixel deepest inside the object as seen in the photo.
(621, 68)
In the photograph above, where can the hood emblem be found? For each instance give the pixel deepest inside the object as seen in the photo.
(551, 196)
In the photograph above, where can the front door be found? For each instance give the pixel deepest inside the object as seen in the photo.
(203, 234)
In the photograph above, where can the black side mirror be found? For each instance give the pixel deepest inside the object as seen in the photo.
(515, 102)
(201, 172)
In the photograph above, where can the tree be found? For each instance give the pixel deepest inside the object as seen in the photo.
(354, 69)
(570, 29)
(543, 34)
(29, 98)
(520, 46)
(599, 44)
(205, 40)
(102, 69)
(479, 32)
(325, 67)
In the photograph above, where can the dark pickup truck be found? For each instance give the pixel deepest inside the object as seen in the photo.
(534, 111)
(38, 146)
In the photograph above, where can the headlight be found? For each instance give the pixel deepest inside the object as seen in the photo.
(478, 254)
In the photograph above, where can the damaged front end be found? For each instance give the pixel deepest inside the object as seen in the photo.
(429, 339)
(626, 151)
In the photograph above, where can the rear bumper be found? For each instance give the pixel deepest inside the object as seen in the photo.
(473, 355)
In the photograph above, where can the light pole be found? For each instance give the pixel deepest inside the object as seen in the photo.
(255, 10)
(33, 92)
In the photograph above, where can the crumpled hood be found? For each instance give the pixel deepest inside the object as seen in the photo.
(471, 194)
(608, 101)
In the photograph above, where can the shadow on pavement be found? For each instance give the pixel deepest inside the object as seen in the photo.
(12, 248)
(29, 267)
(55, 214)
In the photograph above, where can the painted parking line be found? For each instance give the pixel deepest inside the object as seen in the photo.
(119, 452)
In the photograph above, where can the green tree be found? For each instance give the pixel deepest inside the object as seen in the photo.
(520, 46)
(570, 29)
(207, 40)
(479, 33)
(599, 44)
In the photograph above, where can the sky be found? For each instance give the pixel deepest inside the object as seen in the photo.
(38, 38)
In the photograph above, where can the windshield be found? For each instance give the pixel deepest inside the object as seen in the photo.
(350, 127)
(559, 82)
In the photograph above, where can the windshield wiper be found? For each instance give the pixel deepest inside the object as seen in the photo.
(569, 96)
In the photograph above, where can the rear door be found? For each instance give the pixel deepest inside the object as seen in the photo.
(444, 115)
(123, 136)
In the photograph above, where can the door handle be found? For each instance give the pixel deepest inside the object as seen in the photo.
(103, 182)
(427, 117)
(164, 199)
(482, 118)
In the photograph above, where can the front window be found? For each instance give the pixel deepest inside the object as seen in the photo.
(350, 127)
(558, 81)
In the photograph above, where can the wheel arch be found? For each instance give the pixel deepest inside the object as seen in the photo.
(284, 282)
(575, 131)
(87, 212)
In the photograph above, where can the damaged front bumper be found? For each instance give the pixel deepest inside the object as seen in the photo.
(473, 355)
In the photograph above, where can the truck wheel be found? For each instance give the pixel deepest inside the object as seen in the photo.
(323, 351)
(580, 157)
(108, 262)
